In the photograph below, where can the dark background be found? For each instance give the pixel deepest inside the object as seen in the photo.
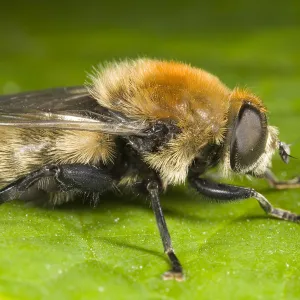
(51, 43)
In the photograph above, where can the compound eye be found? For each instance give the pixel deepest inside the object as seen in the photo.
(249, 138)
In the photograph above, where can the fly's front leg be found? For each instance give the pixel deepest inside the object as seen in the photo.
(226, 192)
(176, 268)
(281, 185)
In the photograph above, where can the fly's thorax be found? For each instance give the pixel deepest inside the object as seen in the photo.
(154, 90)
(151, 90)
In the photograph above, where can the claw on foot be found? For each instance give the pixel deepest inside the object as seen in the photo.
(172, 275)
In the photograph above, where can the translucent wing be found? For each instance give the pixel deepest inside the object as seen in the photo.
(69, 108)
(50, 100)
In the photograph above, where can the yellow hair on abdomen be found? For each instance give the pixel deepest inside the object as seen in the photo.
(25, 150)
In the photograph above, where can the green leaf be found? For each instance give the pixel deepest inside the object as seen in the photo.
(228, 251)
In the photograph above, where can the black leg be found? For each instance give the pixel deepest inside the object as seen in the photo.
(226, 192)
(176, 270)
(281, 185)
(67, 177)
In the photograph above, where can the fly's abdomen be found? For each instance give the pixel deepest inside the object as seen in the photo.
(25, 150)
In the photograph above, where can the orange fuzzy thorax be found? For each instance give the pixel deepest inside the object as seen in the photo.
(146, 89)
(158, 90)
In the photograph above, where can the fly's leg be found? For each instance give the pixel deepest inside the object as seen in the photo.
(226, 192)
(281, 185)
(67, 177)
(176, 268)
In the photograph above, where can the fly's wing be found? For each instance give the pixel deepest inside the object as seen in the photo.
(50, 100)
(69, 108)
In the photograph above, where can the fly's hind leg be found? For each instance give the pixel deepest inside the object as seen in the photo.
(281, 185)
(176, 268)
(68, 177)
